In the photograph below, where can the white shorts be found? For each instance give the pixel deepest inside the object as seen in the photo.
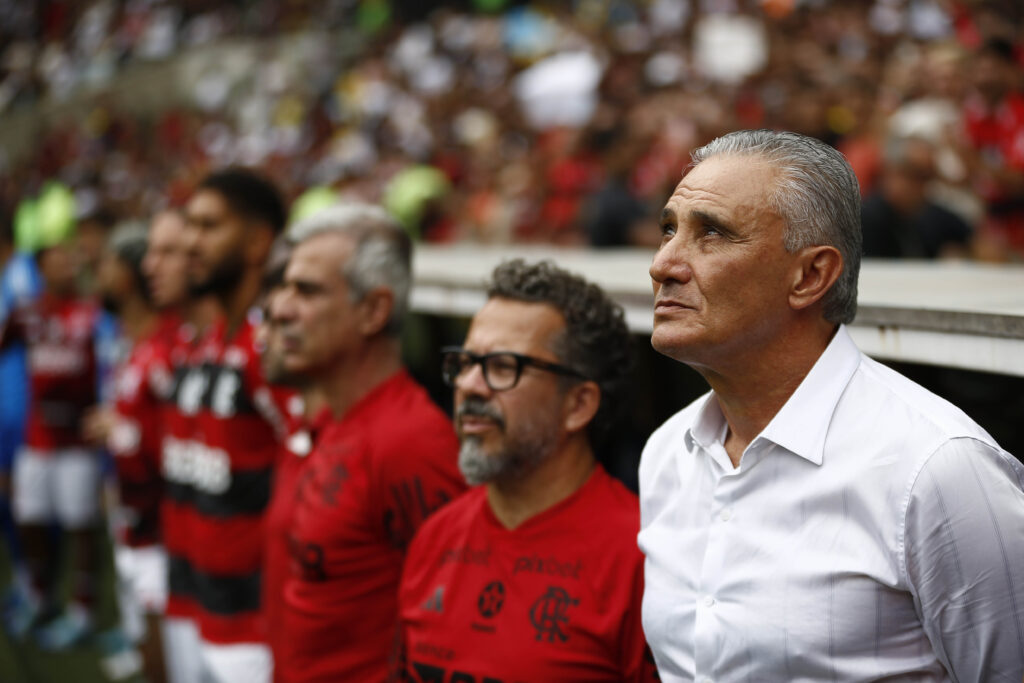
(248, 662)
(58, 486)
(141, 584)
(191, 660)
(182, 655)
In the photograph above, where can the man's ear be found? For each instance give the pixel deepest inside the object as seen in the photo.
(816, 270)
(375, 310)
(581, 403)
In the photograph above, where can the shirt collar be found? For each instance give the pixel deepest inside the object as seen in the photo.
(801, 425)
(803, 422)
(709, 426)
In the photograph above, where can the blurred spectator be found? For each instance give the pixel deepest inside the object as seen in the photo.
(612, 216)
(994, 119)
(900, 220)
(934, 113)
(496, 112)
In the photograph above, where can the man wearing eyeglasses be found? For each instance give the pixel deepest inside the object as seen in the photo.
(382, 464)
(535, 575)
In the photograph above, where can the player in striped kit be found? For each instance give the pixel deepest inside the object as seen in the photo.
(220, 450)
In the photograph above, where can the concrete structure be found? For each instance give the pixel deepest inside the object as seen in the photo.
(961, 315)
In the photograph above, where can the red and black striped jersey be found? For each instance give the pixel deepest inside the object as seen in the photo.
(555, 599)
(178, 431)
(218, 482)
(142, 382)
(60, 335)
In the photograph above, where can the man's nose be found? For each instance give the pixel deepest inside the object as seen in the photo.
(471, 381)
(281, 305)
(671, 262)
(190, 239)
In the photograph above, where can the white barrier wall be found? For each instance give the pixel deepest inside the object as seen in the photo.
(952, 314)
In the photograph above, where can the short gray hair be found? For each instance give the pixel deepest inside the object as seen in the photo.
(816, 194)
(382, 255)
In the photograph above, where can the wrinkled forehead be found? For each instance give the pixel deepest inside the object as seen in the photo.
(727, 180)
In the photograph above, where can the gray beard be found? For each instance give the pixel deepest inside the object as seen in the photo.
(519, 457)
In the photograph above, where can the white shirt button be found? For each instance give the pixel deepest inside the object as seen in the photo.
(725, 515)
(709, 601)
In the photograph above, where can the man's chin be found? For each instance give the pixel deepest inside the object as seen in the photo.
(298, 368)
(470, 441)
(200, 288)
(676, 345)
(477, 465)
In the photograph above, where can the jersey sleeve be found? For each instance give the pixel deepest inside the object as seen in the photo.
(412, 478)
(963, 547)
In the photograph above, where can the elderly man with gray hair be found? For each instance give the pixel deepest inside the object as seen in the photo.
(386, 459)
(816, 516)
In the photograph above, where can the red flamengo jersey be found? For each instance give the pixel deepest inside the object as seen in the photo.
(278, 518)
(555, 599)
(372, 479)
(141, 384)
(219, 482)
(178, 430)
(59, 334)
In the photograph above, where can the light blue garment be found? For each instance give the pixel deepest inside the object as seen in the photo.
(20, 283)
(108, 345)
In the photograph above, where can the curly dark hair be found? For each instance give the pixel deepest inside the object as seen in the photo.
(596, 340)
(250, 193)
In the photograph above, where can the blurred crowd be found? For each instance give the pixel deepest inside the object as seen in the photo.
(563, 123)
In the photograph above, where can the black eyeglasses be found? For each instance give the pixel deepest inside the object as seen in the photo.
(501, 369)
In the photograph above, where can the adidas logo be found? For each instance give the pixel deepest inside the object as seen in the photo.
(435, 603)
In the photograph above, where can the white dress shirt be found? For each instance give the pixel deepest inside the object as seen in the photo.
(871, 530)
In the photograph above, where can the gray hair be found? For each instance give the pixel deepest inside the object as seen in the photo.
(816, 194)
(382, 255)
